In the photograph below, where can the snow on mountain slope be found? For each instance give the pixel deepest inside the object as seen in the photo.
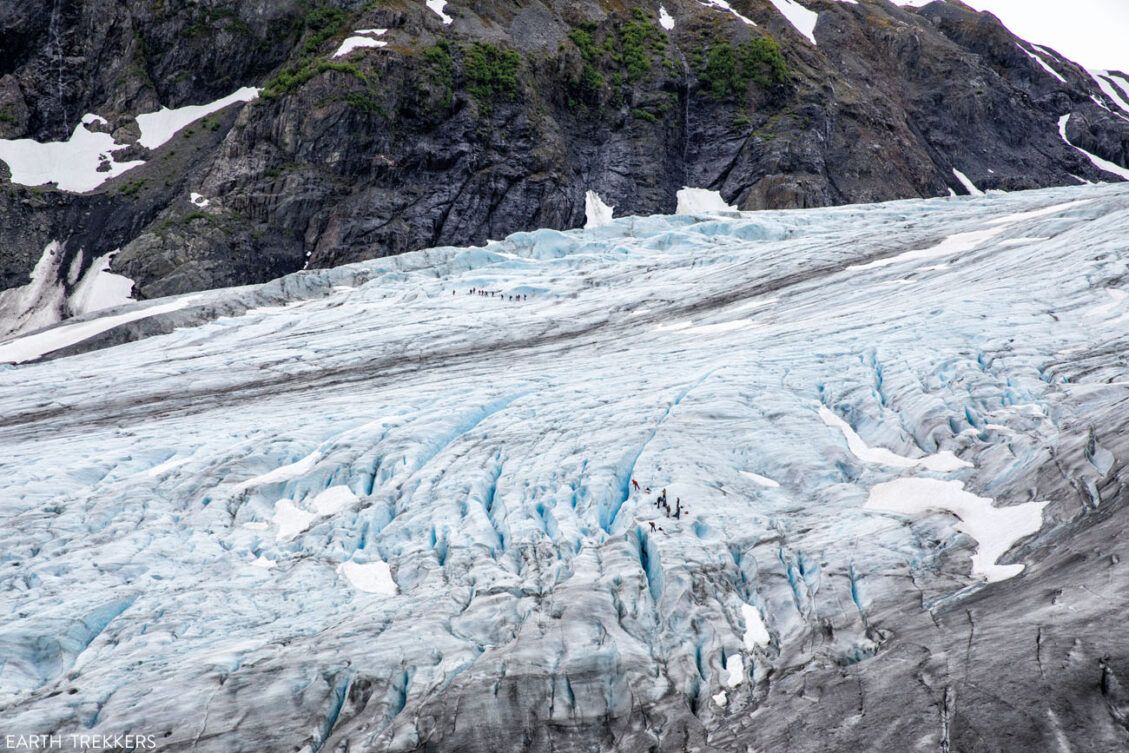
(89, 158)
(385, 503)
(44, 300)
(81, 163)
(801, 18)
(1099, 162)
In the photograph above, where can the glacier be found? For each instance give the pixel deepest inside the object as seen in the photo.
(368, 509)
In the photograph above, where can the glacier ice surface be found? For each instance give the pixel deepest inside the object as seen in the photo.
(330, 509)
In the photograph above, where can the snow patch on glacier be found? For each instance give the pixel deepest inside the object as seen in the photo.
(39, 344)
(996, 529)
(756, 632)
(370, 577)
(944, 461)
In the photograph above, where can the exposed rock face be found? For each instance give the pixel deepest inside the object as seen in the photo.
(504, 118)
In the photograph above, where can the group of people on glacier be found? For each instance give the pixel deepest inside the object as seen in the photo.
(662, 503)
(496, 293)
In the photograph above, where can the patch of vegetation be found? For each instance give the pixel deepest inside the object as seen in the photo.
(282, 169)
(320, 24)
(491, 72)
(290, 79)
(132, 188)
(207, 21)
(585, 43)
(727, 70)
(6, 116)
(323, 23)
(615, 58)
(588, 87)
(364, 103)
(639, 39)
(441, 72)
(640, 114)
(177, 225)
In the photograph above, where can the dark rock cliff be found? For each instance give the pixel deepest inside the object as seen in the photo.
(504, 118)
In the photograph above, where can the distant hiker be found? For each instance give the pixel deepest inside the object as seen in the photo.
(634, 484)
(652, 525)
(663, 496)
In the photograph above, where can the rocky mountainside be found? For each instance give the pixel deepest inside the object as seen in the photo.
(383, 126)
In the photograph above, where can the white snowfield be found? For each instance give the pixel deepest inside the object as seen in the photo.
(383, 476)
(88, 158)
(1042, 64)
(1113, 87)
(438, 8)
(158, 127)
(81, 163)
(361, 39)
(801, 18)
(725, 6)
